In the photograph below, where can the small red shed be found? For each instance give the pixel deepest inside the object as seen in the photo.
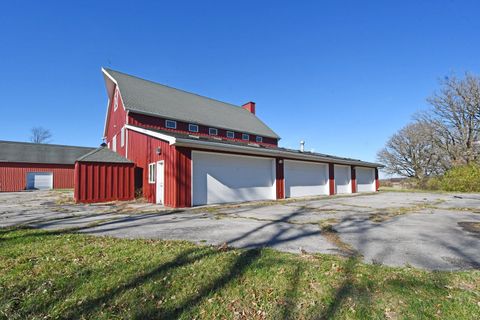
(103, 175)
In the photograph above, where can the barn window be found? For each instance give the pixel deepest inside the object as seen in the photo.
(245, 136)
(115, 100)
(192, 127)
(259, 139)
(122, 137)
(114, 143)
(231, 134)
(151, 173)
(212, 131)
(171, 124)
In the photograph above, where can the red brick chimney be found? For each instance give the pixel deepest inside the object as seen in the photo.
(250, 106)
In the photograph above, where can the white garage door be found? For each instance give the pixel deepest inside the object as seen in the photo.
(40, 180)
(305, 179)
(342, 179)
(220, 178)
(365, 179)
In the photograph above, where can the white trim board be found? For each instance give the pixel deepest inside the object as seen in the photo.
(171, 140)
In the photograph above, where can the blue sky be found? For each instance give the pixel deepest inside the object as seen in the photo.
(342, 75)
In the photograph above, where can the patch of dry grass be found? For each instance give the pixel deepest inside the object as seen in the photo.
(470, 226)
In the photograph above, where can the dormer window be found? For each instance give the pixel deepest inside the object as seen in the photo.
(192, 127)
(213, 131)
(171, 124)
(245, 136)
(259, 139)
(230, 134)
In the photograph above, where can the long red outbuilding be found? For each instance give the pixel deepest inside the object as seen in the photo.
(26, 166)
(96, 175)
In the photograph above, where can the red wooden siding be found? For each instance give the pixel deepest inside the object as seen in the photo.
(115, 122)
(13, 175)
(280, 179)
(102, 182)
(331, 178)
(177, 165)
(145, 121)
(183, 172)
(377, 182)
(354, 179)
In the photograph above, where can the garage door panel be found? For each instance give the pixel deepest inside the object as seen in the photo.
(40, 180)
(220, 178)
(305, 179)
(365, 179)
(342, 179)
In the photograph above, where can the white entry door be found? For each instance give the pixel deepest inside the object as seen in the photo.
(342, 179)
(160, 194)
(365, 179)
(40, 180)
(305, 179)
(220, 178)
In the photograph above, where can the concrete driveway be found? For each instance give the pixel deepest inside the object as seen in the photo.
(425, 230)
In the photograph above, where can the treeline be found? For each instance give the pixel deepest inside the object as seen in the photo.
(440, 149)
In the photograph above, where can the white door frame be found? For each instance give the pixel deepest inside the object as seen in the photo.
(160, 182)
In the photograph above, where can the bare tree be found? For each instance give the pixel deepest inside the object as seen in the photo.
(40, 135)
(455, 118)
(411, 153)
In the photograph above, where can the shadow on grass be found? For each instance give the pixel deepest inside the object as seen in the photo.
(344, 291)
(288, 306)
(237, 269)
(91, 305)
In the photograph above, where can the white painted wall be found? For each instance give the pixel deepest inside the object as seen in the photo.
(221, 178)
(342, 179)
(365, 179)
(305, 179)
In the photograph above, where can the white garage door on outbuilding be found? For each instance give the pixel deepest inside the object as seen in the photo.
(342, 179)
(365, 179)
(305, 178)
(39, 180)
(221, 178)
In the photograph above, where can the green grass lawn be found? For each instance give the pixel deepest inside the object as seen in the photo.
(65, 275)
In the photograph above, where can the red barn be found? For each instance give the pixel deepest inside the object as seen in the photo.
(37, 166)
(192, 150)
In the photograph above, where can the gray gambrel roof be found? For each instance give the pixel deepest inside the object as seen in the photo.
(147, 97)
(25, 152)
(104, 155)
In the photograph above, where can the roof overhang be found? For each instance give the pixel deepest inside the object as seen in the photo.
(171, 140)
(276, 153)
(110, 82)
